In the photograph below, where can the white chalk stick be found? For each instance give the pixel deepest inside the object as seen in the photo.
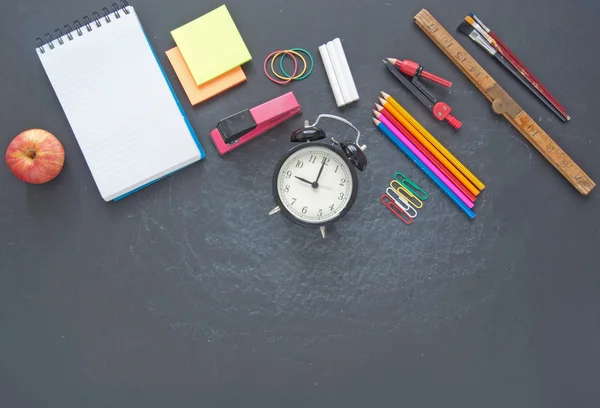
(343, 61)
(339, 72)
(333, 82)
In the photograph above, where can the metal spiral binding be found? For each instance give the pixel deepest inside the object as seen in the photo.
(106, 14)
(59, 35)
(49, 40)
(87, 22)
(78, 28)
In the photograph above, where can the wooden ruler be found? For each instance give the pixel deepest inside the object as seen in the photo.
(503, 104)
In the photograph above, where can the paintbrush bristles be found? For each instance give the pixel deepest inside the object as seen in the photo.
(480, 30)
(465, 28)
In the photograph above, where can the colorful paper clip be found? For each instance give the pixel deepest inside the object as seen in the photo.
(411, 185)
(405, 193)
(408, 209)
(391, 205)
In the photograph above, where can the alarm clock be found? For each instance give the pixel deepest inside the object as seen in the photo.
(315, 183)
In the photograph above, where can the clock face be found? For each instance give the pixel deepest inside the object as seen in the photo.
(315, 185)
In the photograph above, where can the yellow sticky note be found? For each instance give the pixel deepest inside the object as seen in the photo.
(211, 45)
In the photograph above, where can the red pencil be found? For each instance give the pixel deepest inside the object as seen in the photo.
(383, 111)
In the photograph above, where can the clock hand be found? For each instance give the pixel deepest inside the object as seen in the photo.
(320, 171)
(313, 184)
(303, 180)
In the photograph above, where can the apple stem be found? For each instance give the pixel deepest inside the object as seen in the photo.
(32, 153)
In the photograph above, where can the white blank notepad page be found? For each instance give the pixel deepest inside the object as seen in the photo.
(119, 105)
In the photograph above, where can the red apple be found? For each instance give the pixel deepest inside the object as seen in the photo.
(35, 156)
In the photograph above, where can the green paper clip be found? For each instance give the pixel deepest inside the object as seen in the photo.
(410, 185)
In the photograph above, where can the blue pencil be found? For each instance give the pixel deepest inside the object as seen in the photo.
(424, 168)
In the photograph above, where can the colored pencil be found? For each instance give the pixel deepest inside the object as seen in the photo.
(444, 165)
(441, 149)
(381, 111)
(404, 138)
(431, 147)
(423, 168)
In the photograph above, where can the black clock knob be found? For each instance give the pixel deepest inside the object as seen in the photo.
(307, 134)
(355, 154)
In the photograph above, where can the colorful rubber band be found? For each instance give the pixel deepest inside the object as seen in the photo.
(273, 79)
(287, 76)
(300, 76)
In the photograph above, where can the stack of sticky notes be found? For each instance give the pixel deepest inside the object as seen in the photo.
(209, 55)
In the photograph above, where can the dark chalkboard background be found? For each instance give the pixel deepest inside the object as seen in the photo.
(188, 294)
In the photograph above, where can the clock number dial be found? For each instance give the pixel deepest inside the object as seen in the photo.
(315, 194)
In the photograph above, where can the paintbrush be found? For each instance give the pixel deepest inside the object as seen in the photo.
(475, 34)
(500, 47)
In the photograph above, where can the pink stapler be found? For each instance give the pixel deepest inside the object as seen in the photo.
(235, 130)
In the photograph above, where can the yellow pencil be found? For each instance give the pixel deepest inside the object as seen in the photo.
(421, 130)
(427, 145)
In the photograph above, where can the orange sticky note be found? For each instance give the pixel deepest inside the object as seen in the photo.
(207, 90)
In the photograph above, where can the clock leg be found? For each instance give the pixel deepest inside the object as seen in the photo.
(274, 210)
(323, 230)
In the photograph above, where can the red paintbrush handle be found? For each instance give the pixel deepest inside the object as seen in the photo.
(512, 58)
(508, 54)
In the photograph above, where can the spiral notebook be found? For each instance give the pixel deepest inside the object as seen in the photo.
(124, 114)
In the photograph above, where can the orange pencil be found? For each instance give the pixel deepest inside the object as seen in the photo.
(430, 146)
(440, 148)
(441, 167)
